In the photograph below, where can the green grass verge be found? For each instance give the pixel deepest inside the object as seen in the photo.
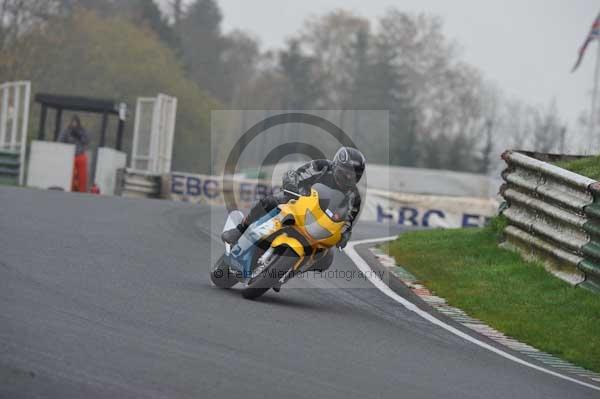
(496, 286)
(589, 167)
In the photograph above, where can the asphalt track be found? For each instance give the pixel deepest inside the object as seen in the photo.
(110, 298)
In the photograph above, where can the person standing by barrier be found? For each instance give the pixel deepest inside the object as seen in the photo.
(76, 134)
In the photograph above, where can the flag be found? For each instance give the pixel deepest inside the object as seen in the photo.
(593, 35)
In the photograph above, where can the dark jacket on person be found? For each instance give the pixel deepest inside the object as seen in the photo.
(77, 136)
(320, 171)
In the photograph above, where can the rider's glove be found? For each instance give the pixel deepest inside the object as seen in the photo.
(289, 186)
(344, 240)
(290, 182)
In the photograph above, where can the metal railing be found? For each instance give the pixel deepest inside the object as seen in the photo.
(10, 167)
(137, 184)
(552, 214)
(591, 251)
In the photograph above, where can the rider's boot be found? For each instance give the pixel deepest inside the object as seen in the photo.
(232, 236)
(260, 209)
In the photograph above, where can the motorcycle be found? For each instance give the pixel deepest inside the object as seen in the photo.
(291, 239)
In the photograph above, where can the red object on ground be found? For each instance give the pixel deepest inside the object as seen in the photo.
(80, 173)
(95, 189)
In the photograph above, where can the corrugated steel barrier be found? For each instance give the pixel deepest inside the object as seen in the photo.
(138, 184)
(553, 214)
(10, 167)
(591, 250)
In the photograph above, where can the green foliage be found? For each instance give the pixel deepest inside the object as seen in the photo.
(380, 84)
(203, 45)
(589, 167)
(441, 110)
(303, 89)
(497, 225)
(85, 54)
(147, 12)
(516, 297)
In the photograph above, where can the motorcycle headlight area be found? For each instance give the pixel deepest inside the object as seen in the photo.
(313, 228)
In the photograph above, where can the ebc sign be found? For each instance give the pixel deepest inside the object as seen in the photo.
(195, 186)
(410, 216)
(427, 210)
(379, 206)
(209, 190)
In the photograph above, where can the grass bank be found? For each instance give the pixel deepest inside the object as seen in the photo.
(589, 167)
(516, 297)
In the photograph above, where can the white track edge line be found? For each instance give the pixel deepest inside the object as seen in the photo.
(364, 267)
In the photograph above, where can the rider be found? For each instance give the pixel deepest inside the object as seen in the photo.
(343, 173)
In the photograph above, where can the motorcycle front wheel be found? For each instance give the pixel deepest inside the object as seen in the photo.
(221, 276)
(278, 267)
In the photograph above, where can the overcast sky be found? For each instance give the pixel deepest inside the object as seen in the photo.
(527, 47)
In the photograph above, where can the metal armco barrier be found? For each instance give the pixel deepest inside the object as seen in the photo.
(553, 214)
(591, 262)
(10, 167)
(137, 184)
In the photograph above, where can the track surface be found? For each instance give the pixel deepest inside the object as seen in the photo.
(109, 297)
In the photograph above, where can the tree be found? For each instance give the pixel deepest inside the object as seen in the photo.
(517, 124)
(442, 113)
(18, 16)
(202, 45)
(329, 40)
(547, 128)
(73, 60)
(177, 8)
(303, 87)
(444, 93)
(240, 57)
(361, 95)
(390, 91)
(144, 12)
(147, 12)
(490, 124)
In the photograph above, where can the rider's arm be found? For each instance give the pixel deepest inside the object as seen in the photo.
(304, 177)
(355, 202)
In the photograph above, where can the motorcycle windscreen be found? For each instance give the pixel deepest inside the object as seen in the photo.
(333, 202)
(233, 220)
(313, 227)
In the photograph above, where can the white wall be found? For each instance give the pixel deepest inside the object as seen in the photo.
(109, 160)
(50, 165)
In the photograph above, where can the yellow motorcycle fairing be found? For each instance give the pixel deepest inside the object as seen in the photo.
(306, 211)
(293, 243)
